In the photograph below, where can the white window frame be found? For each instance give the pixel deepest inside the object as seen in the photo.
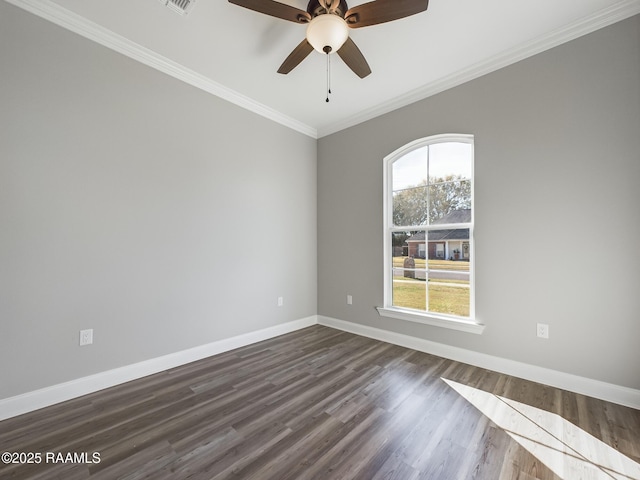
(465, 324)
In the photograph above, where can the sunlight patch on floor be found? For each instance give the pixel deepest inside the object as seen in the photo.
(566, 449)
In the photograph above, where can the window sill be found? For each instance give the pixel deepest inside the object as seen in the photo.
(430, 319)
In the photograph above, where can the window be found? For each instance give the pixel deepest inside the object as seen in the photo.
(428, 233)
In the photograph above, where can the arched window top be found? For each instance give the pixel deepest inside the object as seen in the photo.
(426, 141)
(430, 180)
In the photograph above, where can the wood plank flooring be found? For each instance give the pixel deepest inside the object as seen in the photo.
(321, 404)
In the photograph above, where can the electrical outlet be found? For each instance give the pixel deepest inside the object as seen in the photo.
(543, 330)
(280, 301)
(86, 337)
(349, 300)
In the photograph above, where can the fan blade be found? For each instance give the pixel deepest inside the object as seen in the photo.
(298, 55)
(381, 11)
(352, 56)
(275, 9)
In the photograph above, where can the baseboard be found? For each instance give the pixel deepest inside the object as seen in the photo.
(594, 388)
(30, 401)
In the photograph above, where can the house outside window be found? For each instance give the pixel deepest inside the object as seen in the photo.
(428, 229)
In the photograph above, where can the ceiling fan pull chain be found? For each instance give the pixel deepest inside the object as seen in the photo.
(328, 77)
(329, 69)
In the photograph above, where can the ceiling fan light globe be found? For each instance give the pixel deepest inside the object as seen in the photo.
(327, 30)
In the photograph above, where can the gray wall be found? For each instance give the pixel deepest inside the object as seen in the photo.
(557, 144)
(165, 218)
(156, 214)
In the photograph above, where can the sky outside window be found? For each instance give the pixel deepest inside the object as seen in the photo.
(448, 158)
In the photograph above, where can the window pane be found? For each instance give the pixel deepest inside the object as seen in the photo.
(410, 189)
(449, 160)
(450, 202)
(410, 206)
(448, 271)
(410, 169)
(409, 269)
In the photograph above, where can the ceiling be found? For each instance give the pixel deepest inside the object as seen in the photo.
(234, 53)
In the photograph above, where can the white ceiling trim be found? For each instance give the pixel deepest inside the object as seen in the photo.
(620, 11)
(64, 18)
(60, 16)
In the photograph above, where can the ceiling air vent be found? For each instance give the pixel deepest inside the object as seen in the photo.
(179, 6)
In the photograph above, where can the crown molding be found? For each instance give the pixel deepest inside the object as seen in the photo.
(73, 22)
(62, 17)
(608, 16)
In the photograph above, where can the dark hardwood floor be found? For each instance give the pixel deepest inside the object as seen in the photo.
(322, 404)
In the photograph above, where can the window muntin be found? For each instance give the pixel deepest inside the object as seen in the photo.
(429, 228)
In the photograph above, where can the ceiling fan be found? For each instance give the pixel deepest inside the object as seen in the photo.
(328, 23)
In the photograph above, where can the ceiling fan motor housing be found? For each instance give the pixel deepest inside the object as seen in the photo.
(315, 8)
